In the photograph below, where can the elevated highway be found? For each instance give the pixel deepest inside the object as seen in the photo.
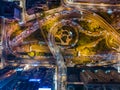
(56, 51)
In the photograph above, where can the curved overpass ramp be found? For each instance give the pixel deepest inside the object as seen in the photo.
(51, 44)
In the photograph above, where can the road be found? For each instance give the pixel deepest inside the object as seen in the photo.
(92, 4)
(56, 50)
(24, 34)
(89, 16)
(106, 25)
(92, 16)
(49, 12)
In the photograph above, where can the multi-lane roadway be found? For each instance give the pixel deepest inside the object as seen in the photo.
(74, 2)
(53, 47)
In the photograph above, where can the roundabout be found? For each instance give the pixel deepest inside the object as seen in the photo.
(71, 28)
(66, 33)
(66, 30)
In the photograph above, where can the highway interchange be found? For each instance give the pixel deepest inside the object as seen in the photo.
(66, 12)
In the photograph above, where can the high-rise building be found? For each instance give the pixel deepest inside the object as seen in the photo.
(10, 10)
